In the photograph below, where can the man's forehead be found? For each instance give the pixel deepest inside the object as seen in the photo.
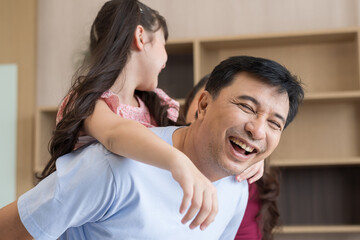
(244, 82)
(246, 87)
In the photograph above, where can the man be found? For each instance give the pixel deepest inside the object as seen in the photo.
(95, 194)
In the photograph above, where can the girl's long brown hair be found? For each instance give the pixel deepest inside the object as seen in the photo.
(269, 190)
(111, 37)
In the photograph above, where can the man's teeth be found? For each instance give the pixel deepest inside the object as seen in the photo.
(241, 144)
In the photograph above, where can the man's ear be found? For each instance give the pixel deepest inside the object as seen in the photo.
(139, 38)
(203, 103)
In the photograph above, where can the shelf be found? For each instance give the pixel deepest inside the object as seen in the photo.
(315, 162)
(336, 95)
(319, 229)
(253, 40)
(179, 46)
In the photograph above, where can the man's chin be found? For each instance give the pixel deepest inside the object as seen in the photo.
(234, 170)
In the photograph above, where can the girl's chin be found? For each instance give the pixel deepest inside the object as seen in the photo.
(147, 88)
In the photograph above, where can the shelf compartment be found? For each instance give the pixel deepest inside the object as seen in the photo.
(323, 130)
(323, 196)
(325, 61)
(177, 78)
(45, 124)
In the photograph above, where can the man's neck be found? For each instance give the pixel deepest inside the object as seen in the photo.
(184, 139)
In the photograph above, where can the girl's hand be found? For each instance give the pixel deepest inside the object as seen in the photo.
(252, 173)
(198, 190)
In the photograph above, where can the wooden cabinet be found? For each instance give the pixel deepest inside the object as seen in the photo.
(319, 154)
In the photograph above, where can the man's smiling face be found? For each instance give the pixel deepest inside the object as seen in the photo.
(241, 125)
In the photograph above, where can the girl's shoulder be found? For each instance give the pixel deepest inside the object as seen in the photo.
(174, 106)
(167, 100)
(111, 99)
(61, 108)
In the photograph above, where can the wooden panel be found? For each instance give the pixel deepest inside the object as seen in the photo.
(322, 67)
(320, 229)
(63, 29)
(208, 60)
(197, 62)
(319, 236)
(339, 95)
(45, 124)
(322, 130)
(17, 45)
(325, 62)
(329, 232)
(189, 18)
(177, 78)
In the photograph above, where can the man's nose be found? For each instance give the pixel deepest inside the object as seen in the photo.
(256, 128)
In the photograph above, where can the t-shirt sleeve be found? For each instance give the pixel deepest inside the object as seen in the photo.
(80, 191)
(174, 106)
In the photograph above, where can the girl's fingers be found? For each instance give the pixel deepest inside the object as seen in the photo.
(205, 210)
(212, 214)
(194, 207)
(257, 176)
(249, 172)
(205, 204)
(188, 194)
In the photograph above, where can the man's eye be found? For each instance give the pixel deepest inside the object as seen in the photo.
(275, 125)
(246, 108)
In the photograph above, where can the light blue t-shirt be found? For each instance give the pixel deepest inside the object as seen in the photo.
(95, 194)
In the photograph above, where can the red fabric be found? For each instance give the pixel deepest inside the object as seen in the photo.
(249, 228)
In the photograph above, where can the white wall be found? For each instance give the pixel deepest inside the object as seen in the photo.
(8, 116)
(189, 18)
(63, 27)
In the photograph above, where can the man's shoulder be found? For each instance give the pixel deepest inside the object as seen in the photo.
(92, 153)
(229, 186)
(230, 182)
(165, 133)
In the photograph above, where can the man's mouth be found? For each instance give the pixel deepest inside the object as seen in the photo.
(241, 146)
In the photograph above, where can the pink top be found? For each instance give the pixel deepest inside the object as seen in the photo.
(140, 114)
(249, 227)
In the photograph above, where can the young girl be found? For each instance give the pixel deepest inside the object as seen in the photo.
(118, 78)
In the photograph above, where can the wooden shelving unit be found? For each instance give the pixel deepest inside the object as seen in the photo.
(319, 153)
(45, 124)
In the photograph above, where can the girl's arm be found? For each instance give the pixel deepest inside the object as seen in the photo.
(133, 140)
(11, 226)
